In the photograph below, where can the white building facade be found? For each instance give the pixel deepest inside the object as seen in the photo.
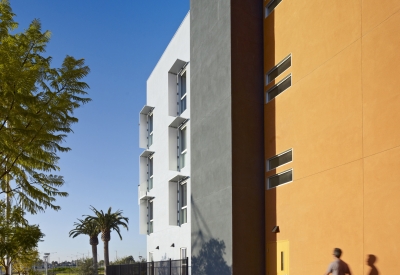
(164, 172)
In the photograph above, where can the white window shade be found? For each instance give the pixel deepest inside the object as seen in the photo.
(143, 217)
(172, 203)
(143, 127)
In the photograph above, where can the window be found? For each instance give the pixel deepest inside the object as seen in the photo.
(182, 92)
(279, 160)
(183, 203)
(151, 225)
(280, 179)
(279, 69)
(150, 173)
(183, 253)
(271, 6)
(151, 257)
(149, 130)
(183, 259)
(177, 88)
(182, 136)
(279, 88)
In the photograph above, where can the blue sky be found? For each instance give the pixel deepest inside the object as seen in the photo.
(121, 42)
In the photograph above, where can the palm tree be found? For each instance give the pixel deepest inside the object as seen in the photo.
(106, 222)
(88, 227)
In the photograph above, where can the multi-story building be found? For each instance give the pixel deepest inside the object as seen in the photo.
(227, 137)
(292, 144)
(331, 140)
(224, 200)
(164, 190)
(224, 231)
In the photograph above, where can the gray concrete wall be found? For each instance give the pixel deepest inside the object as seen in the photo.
(227, 228)
(211, 133)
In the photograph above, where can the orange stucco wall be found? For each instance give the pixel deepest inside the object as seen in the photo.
(341, 117)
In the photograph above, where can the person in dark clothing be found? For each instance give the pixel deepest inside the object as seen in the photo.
(338, 267)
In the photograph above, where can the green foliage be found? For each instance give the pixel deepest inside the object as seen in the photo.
(37, 102)
(109, 221)
(34, 272)
(18, 239)
(85, 227)
(86, 267)
(26, 260)
(105, 223)
(91, 229)
(63, 269)
(124, 260)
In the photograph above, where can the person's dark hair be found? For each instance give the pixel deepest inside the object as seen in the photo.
(337, 252)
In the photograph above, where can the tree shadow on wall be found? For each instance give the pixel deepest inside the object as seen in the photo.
(211, 259)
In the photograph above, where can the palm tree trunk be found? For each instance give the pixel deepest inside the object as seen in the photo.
(106, 260)
(94, 252)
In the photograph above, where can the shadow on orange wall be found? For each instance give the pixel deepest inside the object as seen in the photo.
(270, 147)
(372, 259)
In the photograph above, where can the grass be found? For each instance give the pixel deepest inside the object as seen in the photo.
(68, 271)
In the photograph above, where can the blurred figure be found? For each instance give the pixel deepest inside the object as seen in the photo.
(338, 267)
(370, 262)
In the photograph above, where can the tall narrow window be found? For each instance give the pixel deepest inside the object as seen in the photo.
(183, 203)
(280, 159)
(182, 92)
(279, 88)
(183, 260)
(151, 257)
(182, 147)
(183, 253)
(150, 173)
(271, 6)
(151, 224)
(150, 130)
(280, 179)
(279, 69)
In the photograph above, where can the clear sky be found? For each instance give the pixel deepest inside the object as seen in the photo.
(121, 42)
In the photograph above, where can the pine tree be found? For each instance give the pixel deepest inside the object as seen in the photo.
(37, 102)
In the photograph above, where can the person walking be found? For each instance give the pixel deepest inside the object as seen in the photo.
(338, 267)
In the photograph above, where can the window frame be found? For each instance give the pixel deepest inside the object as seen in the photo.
(151, 217)
(150, 178)
(183, 262)
(269, 169)
(267, 13)
(276, 175)
(181, 254)
(276, 85)
(182, 153)
(151, 256)
(150, 122)
(267, 79)
(181, 208)
(180, 96)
